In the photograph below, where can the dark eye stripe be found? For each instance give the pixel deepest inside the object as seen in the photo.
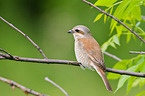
(81, 32)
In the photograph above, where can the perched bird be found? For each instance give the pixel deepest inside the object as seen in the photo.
(88, 52)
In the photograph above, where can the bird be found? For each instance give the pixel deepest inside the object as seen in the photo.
(88, 52)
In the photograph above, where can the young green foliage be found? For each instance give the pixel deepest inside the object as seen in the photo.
(129, 12)
(136, 64)
(111, 42)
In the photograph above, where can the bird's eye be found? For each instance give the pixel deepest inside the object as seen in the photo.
(77, 30)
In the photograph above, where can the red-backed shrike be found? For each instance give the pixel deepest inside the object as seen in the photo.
(88, 52)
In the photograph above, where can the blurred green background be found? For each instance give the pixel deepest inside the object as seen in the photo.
(46, 22)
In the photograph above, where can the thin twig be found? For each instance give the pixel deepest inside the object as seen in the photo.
(113, 56)
(114, 19)
(47, 79)
(25, 36)
(122, 72)
(136, 52)
(52, 61)
(6, 52)
(26, 90)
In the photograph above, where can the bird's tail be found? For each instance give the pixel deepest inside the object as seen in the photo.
(102, 74)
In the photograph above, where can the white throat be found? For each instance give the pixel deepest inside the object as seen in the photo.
(78, 35)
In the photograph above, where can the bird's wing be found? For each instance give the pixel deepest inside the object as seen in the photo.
(94, 51)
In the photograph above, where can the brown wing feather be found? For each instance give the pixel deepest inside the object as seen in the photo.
(94, 51)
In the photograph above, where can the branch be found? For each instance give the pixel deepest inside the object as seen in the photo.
(113, 56)
(114, 19)
(45, 61)
(136, 52)
(26, 90)
(38, 48)
(47, 79)
(53, 61)
(122, 72)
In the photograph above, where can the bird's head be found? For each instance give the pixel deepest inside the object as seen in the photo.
(80, 31)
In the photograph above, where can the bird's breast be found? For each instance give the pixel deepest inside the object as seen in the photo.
(81, 55)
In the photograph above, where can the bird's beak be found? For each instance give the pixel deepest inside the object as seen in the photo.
(70, 31)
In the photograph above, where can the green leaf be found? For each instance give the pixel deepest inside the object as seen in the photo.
(121, 82)
(120, 9)
(112, 27)
(142, 83)
(140, 68)
(119, 30)
(139, 60)
(130, 83)
(123, 78)
(98, 17)
(132, 5)
(137, 12)
(136, 82)
(121, 65)
(105, 16)
(133, 68)
(141, 93)
(137, 25)
(106, 3)
(116, 40)
(111, 10)
(110, 42)
(113, 45)
(128, 38)
(119, 13)
(104, 46)
(143, 68)
(134, 36)
(123, 28)
(140, 30)
(113, 76)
